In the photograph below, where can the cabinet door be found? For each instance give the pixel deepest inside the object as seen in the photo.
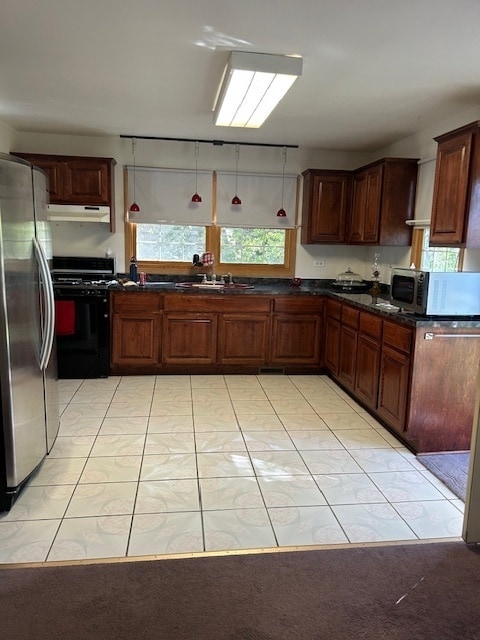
(449, 208)
(359, 205)
(371, 220)
(365, 216)
(326, 203)
(296, 339)
(348, 356)
(135, 339)
(332, 345)
(189, 338)
(55, 178)
(86, 181)
(367, 370)
(243, 339)
(393, 390)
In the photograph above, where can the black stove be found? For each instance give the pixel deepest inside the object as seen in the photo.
(82, 273)
(82, 315)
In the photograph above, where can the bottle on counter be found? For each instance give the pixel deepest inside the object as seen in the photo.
(133, 270)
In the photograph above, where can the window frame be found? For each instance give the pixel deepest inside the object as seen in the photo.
(417, 245)
(285, 270)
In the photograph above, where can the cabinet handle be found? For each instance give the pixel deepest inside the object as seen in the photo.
(431, 336)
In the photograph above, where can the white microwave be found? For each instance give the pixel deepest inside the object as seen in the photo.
(433, 293)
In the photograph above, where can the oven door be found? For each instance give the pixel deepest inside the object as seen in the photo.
(82, 332)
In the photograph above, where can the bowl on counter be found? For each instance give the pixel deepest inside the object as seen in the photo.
(350, 282)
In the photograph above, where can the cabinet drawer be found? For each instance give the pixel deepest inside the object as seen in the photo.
(130, 301)
(350, 317)
(294, 304)
(334, 309)
(371, 325)
(397, 336)
(218, 303)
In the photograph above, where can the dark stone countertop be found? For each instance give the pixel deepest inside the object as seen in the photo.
(281, 287)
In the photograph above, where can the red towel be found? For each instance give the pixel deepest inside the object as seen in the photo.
(64, 317)
(207, 259)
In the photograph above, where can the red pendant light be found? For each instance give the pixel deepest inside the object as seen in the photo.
(281, 213)
(196, 198)
(134, 208)
(236, 200)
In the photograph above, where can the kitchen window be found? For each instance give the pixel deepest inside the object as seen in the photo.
(163, 248)
(447, 259)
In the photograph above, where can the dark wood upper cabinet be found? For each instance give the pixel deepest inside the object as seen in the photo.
(326, 202)
(367, 206)
(456, 195)
(75, 180)
(365, 213)
(383, 198)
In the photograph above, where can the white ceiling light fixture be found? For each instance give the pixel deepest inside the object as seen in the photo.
(252, 85)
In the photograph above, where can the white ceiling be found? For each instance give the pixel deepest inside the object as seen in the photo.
(375, 71)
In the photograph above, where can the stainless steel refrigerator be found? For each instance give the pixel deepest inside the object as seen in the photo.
(28, 378)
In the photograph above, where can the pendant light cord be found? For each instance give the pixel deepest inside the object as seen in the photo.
(283, 171)
(236, 168)
(196, 167)
(134, 168)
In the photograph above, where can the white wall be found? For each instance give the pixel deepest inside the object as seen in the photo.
(7, 135)
(94, 239)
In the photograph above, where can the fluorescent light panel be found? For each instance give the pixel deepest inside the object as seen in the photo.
(253, 84)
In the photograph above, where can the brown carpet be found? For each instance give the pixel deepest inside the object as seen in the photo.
(407, 592)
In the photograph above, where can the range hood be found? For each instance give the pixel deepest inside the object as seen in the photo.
(78, 213)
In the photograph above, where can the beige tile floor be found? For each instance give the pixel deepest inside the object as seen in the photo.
(153, 465)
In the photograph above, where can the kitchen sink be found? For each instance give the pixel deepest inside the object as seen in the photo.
(213, 285)
(153, 285)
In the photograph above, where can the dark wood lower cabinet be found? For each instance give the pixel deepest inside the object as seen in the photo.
(367, 370)
(207, 333)
(333, 314)
(243, 339)
(369, 344)
(137, 342)
(332, 346)
(189, 338)
(136, 327)
(393, 390)
(348, 346)
(297, 328)
(443, 389)
(348, 356)
(296, 339)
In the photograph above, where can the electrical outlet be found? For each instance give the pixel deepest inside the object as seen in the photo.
(319, 263)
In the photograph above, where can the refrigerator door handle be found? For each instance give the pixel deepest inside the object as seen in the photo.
(49, 333)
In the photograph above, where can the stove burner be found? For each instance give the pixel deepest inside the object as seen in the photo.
(81, 281)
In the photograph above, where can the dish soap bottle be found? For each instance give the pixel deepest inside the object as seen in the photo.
(133, 270)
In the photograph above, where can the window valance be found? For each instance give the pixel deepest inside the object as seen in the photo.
(261, 196)
(165, 196)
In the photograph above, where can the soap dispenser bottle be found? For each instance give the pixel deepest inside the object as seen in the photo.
(133, 270)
